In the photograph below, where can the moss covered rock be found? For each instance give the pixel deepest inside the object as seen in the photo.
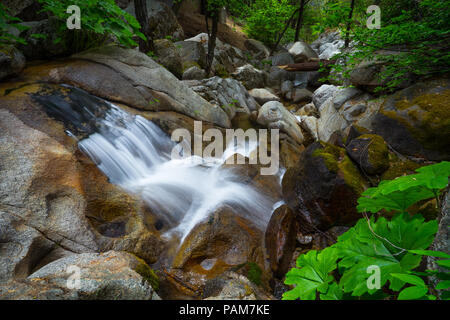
(370, 152)
(416, 120)
(323, 188)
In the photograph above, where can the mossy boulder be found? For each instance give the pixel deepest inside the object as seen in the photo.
(370, 152)
(416, 121)
(323, 188)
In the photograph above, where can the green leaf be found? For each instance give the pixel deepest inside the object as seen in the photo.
(311, 275)
(444, 263)
(408, 278)
(443, 285)
(360, 248)
(334, 292)
(412, 293)
(431, 253)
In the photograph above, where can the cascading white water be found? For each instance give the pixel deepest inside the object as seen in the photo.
(135, 154)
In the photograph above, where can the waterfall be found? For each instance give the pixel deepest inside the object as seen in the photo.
(134, 153)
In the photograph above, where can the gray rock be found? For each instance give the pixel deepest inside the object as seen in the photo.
(191, 52)
(277, 76)
(227, 94)
(282, 59)
(343, 95)
(250, 76)
(275, 116)
(301, 52)
(141, 70)
(35, 214)
(308, 110)
(233, 286)
(226, 57)
(353, 111)
(301, 95)
(258, 49)
(169, 56)
(194, 73)
(330, 121)
(162, 20)
(106, 276)
(322, 94)
(262, 95)
(12, 61)
(286, 88)
(367, 74)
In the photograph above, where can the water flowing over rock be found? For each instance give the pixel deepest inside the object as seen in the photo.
(328, 44)
(135, 154)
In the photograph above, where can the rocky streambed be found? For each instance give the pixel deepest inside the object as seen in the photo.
(86, 181)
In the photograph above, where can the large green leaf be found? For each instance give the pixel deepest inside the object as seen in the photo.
(311, 275)
(411, 293)
(360, 247)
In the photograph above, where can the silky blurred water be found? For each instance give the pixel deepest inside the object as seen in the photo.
(135, 154)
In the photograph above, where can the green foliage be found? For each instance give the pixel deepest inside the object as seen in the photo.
(7, 24)
(266, 19)
(312, 275)
(417, 35)
(396, 246)
(399, 194)
(99, 18)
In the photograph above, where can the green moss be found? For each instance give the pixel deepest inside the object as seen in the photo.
(330, 154)
(430, 127)
(378, 154)
(337, 161)
(254, 273)
(399, 168)
(351, 175)
(147, 274)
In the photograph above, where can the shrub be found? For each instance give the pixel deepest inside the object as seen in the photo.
(395, 246)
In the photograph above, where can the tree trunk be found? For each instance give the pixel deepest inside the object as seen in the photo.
(307, 66)
(299, 20)
(212, 36)
(140, 7)
(284, 31)
(349, 24)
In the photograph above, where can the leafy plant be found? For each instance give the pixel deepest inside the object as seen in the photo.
(395, 246)
(412, 42)
(99, 18)
(7, 23)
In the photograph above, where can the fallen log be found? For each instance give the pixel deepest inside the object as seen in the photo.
(307, 66)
